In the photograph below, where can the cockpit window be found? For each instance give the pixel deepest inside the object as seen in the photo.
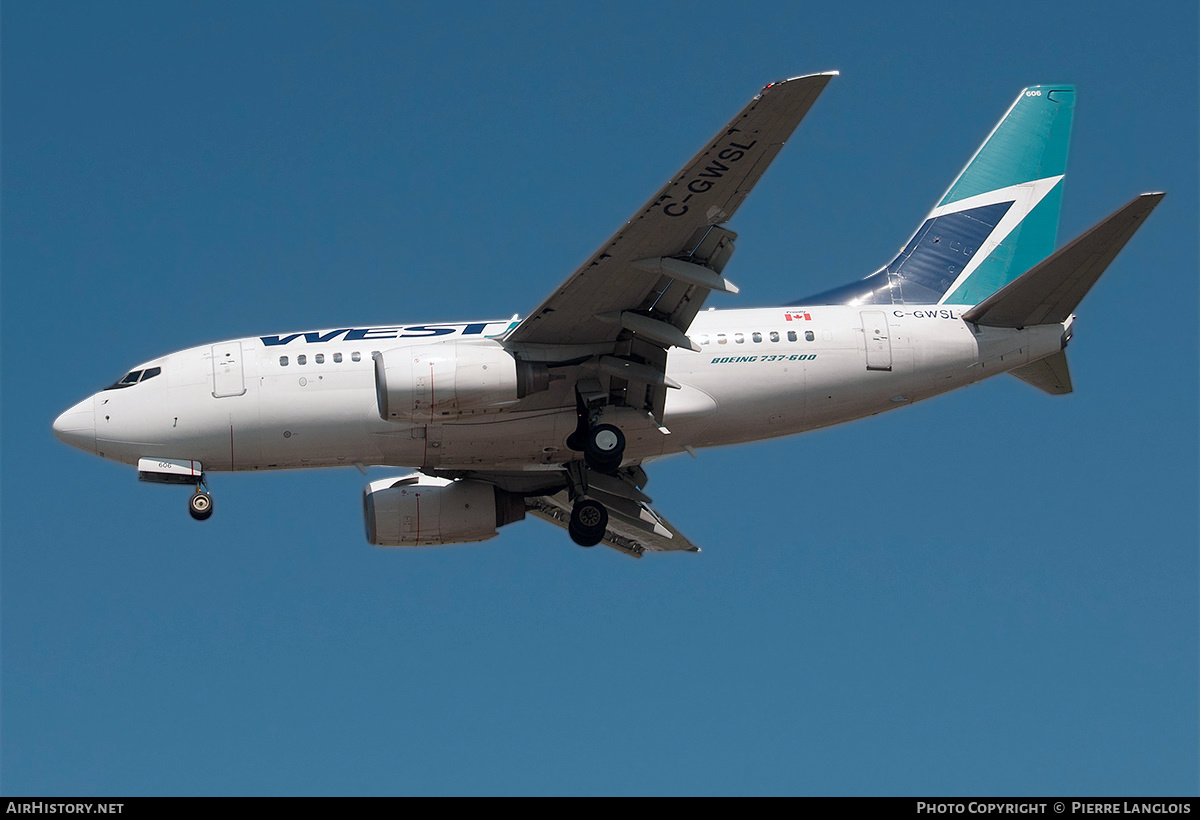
(134, 376)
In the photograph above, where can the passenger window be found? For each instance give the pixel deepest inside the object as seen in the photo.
(356, 356)
(704, 339)
(301, 359)
(721, 339)
(774, 335)
(791, 335)
(337, 358)
(809, 336)
(739, 338)
(320, 358)
(283, 361)
(757, 337)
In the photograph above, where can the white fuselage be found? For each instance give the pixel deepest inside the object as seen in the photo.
(309, 399)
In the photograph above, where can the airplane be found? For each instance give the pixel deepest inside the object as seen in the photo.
(557, 414)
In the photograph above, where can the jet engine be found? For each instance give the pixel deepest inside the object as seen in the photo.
(423, 511)
(423, 384)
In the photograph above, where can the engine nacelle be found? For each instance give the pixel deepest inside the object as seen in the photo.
(422, 511)
(426, 384)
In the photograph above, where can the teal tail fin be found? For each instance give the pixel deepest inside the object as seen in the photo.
(998, 219)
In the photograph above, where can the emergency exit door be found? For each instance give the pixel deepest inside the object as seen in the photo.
(879, 345)
(228, 379)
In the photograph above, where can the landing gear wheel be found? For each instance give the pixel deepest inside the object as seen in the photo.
(200, 505)
(589, 520)
(604, 448)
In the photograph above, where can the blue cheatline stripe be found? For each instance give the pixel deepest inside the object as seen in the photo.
(942, 248)
(928, 265)
(1031, 241)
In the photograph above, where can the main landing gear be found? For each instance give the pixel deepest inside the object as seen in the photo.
(603, 445)
(603, 448)
(200, 505)
(589, 520)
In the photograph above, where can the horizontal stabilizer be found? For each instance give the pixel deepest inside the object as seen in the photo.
(1049, 374)
(1050, 291)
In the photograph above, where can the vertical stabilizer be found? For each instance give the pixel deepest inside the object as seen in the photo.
(997, 220)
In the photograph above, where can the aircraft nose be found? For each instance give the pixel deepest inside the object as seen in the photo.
(77, 426)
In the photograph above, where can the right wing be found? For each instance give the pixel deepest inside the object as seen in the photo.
(633, 527)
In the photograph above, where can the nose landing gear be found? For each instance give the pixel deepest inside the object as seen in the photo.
(200, 505)
(179, 471)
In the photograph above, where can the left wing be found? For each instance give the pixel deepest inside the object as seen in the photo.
(637, 295)
(611, 323)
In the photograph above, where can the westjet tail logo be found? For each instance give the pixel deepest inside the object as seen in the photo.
(356, 334)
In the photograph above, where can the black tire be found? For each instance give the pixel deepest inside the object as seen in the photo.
(589, 520)
(604, 448)
(200, 505)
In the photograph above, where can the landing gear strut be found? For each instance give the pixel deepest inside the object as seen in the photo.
(589, 520)
(200, 505)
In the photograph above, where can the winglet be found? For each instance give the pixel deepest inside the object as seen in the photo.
(769, 86)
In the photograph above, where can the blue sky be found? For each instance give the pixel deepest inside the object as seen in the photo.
(991, 593)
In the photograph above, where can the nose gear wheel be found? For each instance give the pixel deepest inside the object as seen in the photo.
(200, 505)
